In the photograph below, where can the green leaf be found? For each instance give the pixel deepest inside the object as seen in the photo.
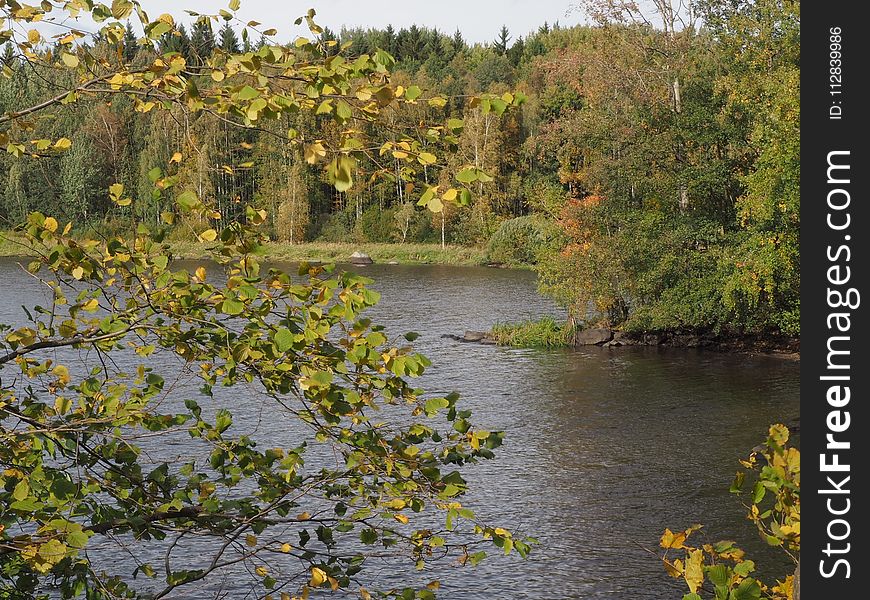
(223, 420)
(343, 110)
(22, 490)
(248, 93)
(718, 575)
(745, 568)
(232, 307)
(433, 405)
(187, 200)
(467, 175)
(283, 339)
(747, 590)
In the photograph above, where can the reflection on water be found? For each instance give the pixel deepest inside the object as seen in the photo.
(604, 447)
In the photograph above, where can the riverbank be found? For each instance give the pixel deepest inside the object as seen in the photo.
(12, 244)
(548, 333)
(403, 254)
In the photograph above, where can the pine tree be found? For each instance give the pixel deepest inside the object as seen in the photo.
(327, 36)
(389, 40)
(500, 45)
(515, 54)
(129, 43)
(202, 42)
(175, 41)
(8, 58)
(228, 41)
(458, 42)
(409, 44)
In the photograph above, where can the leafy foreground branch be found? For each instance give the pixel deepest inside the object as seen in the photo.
(374, 461)
(721, 570)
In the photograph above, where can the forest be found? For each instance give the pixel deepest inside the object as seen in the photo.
(648, 168)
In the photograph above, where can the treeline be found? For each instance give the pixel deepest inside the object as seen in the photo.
(652, 173)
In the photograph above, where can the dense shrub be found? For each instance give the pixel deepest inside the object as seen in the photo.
(523, 240)
(376, 225)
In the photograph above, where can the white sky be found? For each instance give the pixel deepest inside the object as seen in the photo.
(479, 20)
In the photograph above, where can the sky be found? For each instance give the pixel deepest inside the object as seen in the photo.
(479, 20)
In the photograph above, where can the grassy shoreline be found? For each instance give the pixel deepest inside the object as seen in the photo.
(13, 245)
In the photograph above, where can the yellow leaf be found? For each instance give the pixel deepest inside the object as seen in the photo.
(261, 571)
(63, 143)
(200, 273)
(70, 60)
(285, 548)
(313, 152)
(695, 570)
(217, 75)
(33, 36)
(433, 585)
(333, 583)
(209, 235)
(251, 540)
(672, 570)
(91, 305)
(318, 576)
(364, 594)
(400, 518)
(176, 158)
(68, 228)
(303, 516)
(672, 540)
(124, 202)
(450, 195)
(50, 224)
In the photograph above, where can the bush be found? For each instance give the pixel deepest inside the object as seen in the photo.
(376, 225)
(336, 227)
(523, 241)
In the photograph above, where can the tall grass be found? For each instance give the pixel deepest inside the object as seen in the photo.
(543, 333)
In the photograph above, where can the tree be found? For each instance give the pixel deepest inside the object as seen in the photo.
(8, 58)
(129, 44)
(500, 45)
(202, 42)
(458, 42)
(74, 442)
(176, 41)
(228, 41)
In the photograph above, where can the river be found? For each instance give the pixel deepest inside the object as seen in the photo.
(604, 448)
